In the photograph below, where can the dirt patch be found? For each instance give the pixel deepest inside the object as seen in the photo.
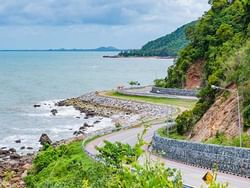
(194, 75)
(221, 117)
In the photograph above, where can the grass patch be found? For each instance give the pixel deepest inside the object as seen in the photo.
(65, 166)
(174, 135)
(221, 139)
(187, 103)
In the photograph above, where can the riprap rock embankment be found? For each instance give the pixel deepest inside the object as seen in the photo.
(122, 111)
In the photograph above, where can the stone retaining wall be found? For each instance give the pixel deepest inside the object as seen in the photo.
(174, 91)
(229, 159)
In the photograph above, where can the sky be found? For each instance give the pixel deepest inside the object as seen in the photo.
(125, 24)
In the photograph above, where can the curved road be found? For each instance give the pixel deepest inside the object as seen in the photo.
(191, 175)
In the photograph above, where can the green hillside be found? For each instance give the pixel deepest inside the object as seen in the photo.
(220, 36)
(168, 45)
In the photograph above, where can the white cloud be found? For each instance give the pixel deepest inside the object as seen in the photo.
(108, 12)
(91, 23)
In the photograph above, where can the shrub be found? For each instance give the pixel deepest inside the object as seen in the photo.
(116, 154)
(184, 122)
(246, 116)
(44, 158)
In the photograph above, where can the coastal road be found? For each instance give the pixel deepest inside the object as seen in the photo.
(146, 91)
(192, 176)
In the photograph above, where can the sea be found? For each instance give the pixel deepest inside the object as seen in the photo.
(45, 77)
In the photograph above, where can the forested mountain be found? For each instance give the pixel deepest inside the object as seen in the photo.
(168, 45)
(219, 42)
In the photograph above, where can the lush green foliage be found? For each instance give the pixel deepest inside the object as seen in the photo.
(184, 122)
(237, 70)
(134, 83)
(116, 154)
(127, 172)
(66, 166)
(146, 176)
(219, 34)
(168, 45)
(174, 135)
(221, 139)
(69, 167)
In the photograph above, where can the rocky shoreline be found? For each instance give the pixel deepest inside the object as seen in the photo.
(122, 112)
(14, 167)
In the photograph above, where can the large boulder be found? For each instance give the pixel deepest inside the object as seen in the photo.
(44, 139)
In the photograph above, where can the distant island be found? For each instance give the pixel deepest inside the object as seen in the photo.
(166, 46)
(100, 49)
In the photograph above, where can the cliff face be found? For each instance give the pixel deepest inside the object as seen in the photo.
(194, 75)
(221, 117)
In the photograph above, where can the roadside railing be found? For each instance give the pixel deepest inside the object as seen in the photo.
(159, 92)
(174, 91)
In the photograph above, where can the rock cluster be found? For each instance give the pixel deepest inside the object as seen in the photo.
(14, 166)
(82, 129)
(94, 104)
(120, 111)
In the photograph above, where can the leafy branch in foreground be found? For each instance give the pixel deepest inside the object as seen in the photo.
(72, 168)
(123, 159)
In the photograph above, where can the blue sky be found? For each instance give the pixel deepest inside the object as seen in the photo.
(41, 24)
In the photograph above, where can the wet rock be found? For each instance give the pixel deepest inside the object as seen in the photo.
(82, 128)
(22, 148)
(77, 117)
(4, 152)
(90, 113)
(12, 150)
(97, 121)
(37, 105)
(44, 139)
(54, 112)
(76, 133)
(3, 147)
(87, 125)
(15, 156)
(61, 103)
(18, 141)
(29, 148)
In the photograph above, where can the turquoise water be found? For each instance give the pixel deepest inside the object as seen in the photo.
(28, 78)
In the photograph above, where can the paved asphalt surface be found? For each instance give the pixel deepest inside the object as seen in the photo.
(192, 176)
(146, 91)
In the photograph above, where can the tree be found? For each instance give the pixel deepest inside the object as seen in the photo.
(134, 83)
(184, 122)
(224, 32)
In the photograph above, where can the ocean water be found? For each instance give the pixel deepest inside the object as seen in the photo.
(28, 78)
